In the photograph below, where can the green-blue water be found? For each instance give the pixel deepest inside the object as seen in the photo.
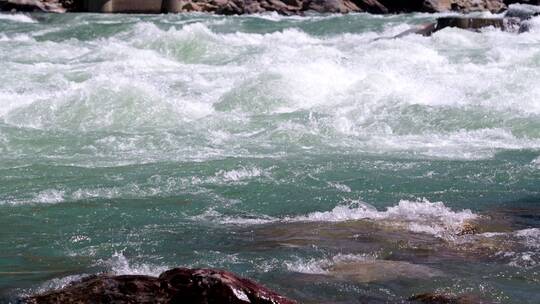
(280, 148)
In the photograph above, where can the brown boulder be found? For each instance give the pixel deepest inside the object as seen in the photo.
(178, 285)
(331, 6)
(469, 23)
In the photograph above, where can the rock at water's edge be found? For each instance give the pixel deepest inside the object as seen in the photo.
(228, 7)
(52, 6)
(437, 298)
(178, 285)
(381, 270)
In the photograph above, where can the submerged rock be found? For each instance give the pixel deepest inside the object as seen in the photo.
(469, 23)
(437, 298)
(179, 285)
(381, 270)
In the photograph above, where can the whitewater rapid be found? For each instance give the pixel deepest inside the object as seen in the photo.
(203, 88)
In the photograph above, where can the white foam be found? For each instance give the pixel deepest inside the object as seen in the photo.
(320, 266)
(17, 18)
(524, 246)
(340, 186)
(239, 174)
(241, 295)
(213, 215)
(536, 162)
(120, 265)
(530, 256)
(50, 196)
(531, 237)
(416, 216)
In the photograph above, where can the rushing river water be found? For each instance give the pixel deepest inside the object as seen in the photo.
(302, 152)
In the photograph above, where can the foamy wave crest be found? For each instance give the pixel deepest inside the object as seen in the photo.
(240, 174)
(225, 92)
(120, 265)
(213, 215)
(49, 196)
(462, 144)
(416, 216)
(320, 266)
(17, 18)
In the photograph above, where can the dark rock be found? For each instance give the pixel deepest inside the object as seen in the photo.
(72, 5)
(217, 286)
(179, 285)
(475, 24)
(124, 6)
(107, 289)
(372, 6)
(51, 6)
(432, 6)
(533, 2)
(332, 6)
(468, 23)
(507, 24)
(407, 6)
(287, 7)
(236, 7)
(437, 298)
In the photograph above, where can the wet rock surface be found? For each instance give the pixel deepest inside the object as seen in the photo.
(179, 285)
(52, 6)
(436, 298)
(381, 270)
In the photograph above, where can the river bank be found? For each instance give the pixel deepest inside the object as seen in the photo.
(239, 7)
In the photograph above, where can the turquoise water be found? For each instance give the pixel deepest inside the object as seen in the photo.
(281, 148)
